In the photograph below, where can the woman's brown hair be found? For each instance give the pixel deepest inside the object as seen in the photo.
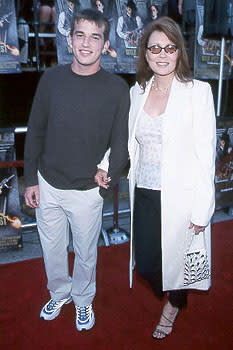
(171, 29)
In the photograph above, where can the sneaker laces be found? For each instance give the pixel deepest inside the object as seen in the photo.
(84, 312)
(52, 305)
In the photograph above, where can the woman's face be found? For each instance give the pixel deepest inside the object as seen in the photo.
(154, 12)
(100, 6)
(162, 63)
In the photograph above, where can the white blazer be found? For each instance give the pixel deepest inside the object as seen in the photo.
(187, 171)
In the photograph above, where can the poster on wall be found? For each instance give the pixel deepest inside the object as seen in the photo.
(224, 164)
(10, 213)
(127, 19)
(9, 46)
(64, 13)
(208, 51)
(131, 18)
(108, 9)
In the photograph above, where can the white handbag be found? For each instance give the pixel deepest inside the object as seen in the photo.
(196, 266)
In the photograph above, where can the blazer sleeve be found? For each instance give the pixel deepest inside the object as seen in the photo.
(104, 164)
(204, 132)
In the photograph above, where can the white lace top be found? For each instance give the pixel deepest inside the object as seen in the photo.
(149, 137)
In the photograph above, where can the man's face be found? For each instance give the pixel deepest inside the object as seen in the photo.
(129, 11)
(88, 45)
(71, 6)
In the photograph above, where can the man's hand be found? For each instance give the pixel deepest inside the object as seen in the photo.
(197, 229)
(32, 196)
(102, 179)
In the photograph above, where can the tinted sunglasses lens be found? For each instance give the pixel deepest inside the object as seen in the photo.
(155, 49)
(170, 49)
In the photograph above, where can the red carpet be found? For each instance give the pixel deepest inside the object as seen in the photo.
(124, 318)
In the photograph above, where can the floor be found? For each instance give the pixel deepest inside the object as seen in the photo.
(31, 247)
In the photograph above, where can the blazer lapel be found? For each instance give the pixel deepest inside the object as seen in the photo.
(173, 109)
(139, 104)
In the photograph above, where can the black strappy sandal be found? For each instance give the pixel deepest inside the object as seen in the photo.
(162, 334)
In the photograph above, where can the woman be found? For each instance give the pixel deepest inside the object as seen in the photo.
(99, 4)
(172, 140)
(172, 155)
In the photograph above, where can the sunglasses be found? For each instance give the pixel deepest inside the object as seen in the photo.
(155, 49)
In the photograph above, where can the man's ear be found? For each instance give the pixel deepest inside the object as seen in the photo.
(106, 46)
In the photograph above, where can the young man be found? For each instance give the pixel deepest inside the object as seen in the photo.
(79, 111)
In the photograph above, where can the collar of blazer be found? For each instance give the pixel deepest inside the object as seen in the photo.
(176, 101)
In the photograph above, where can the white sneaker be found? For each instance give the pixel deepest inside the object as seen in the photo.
(53, 308)
(85, 317)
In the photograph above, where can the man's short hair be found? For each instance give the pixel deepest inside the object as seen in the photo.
(91, 16)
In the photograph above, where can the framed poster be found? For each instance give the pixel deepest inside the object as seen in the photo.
(224, 164)
(208, 51)
(9, 46)
(64, 13)
(127, 19)
(10, 222)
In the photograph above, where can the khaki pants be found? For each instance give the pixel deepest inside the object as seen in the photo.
(82, 212)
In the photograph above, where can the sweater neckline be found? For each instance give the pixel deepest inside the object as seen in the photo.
(80, 76)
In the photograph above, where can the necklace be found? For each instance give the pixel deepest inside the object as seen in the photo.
(163, 90)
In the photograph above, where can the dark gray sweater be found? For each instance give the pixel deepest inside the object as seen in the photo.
(74, 119)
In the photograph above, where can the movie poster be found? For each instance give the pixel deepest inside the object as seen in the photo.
(9, 47)
(108, 8)
(10, 222)
(208, 51)
(131, 18)
(127, 19)
(64, 13)
(224, 164)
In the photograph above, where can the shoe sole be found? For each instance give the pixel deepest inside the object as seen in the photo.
(86, 327)
(55, 314)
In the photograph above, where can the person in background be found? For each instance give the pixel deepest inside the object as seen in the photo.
(64, 22)
(172, 10)
(129, 25)
(187, 9)
(100, 5)
(154, 11)
(78, 112)
(46, 18)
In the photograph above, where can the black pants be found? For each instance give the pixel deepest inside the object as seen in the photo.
(147, 239)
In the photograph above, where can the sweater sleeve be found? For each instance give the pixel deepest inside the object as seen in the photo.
(36, 132)
(119, 138)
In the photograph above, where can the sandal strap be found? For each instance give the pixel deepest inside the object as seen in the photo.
(162, 325)
(159, 331)
(171, 322)
(168, 320)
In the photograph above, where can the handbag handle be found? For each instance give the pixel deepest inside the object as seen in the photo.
(192, 234)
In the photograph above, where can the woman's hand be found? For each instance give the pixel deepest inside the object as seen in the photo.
(197, 228)
(102, 179)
